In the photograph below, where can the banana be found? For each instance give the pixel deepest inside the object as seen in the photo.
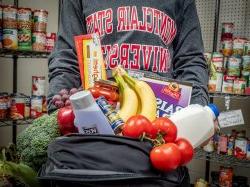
(145, 94)
(129, 100)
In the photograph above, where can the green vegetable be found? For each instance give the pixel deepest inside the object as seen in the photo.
(33, 142)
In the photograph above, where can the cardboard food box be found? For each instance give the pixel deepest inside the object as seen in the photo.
(171, 95)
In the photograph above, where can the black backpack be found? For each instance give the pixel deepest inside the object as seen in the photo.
(103, 160)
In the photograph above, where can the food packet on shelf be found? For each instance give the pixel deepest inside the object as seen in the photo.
(90, 59)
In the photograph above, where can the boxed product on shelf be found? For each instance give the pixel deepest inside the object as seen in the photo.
(4, 105)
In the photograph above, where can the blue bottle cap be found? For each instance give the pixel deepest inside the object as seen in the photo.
(215, 109)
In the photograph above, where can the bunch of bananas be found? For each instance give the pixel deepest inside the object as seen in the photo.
(136, 96)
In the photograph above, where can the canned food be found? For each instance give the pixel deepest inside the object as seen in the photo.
(24, 40)
(239, 86)
(248, 149)
(201, 183)
(228, 83)
(38, 41)
(246, 77)
(215, 82)
(230, 145)
(10, 38)
(247, 48)
(9, 17)
(240, 149)
(24, 18)
(36, 107)
(227, 47)
(17, 107)
(226, 176)
(222, 145)
(38, 85)
(246, 63)
(40, 20)
(238, 46)
(227, 30)
(233, 66)
(114, 119)
(50, 41)
(217, 61)
(4, 105)
(27, 107)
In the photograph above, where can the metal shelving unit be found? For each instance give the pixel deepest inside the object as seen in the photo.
(222, 159)
(9, 122)
(15, 54)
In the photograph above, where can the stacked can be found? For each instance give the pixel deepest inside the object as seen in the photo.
(227, 39)
(10, 27)
(216, 72)
(39, 30)
(38, 99)
(24, 17)
(1, 27)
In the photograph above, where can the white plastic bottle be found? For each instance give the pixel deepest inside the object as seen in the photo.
(89, 119)
(196, 123)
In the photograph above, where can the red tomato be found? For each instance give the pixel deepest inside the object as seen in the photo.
(167, 128)
(186, 149)
(65, 120)
(136, 126)
(166, 157)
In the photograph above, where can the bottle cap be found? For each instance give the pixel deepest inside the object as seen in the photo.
(215, 109)
(81, 100)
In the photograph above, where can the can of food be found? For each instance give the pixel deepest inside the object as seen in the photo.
(9, 17)
(228, 83)
(17, 107)
(40, 20)
(4, 105)
(247, 48)
(10, 38)
(38, 85)
(39, 41)
(226, 177)
(50, 41)
(240, 148)
(217, 61)
(222, 145)
(24, 18)
(36, 107)
(246, 77)
(227, 47)
(239, 86)
(114, 119)
(44, 104)
(201, 183)
(27, 107)
(238, 46)
(246, 63)
(215, 82)
(227, 30)
(248, 149)
(230, 145)
(233, 66)
(24, 40)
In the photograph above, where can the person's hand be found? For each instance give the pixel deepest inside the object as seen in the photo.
(61, 99)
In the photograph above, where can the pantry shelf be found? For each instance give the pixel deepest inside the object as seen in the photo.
(23, 54)
(233, 96)
(226, 160)
(9, 122)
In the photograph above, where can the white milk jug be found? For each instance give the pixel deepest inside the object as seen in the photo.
(196, 123)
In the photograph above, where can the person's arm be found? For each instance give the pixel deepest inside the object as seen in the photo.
(188, 61)
(63, 65)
